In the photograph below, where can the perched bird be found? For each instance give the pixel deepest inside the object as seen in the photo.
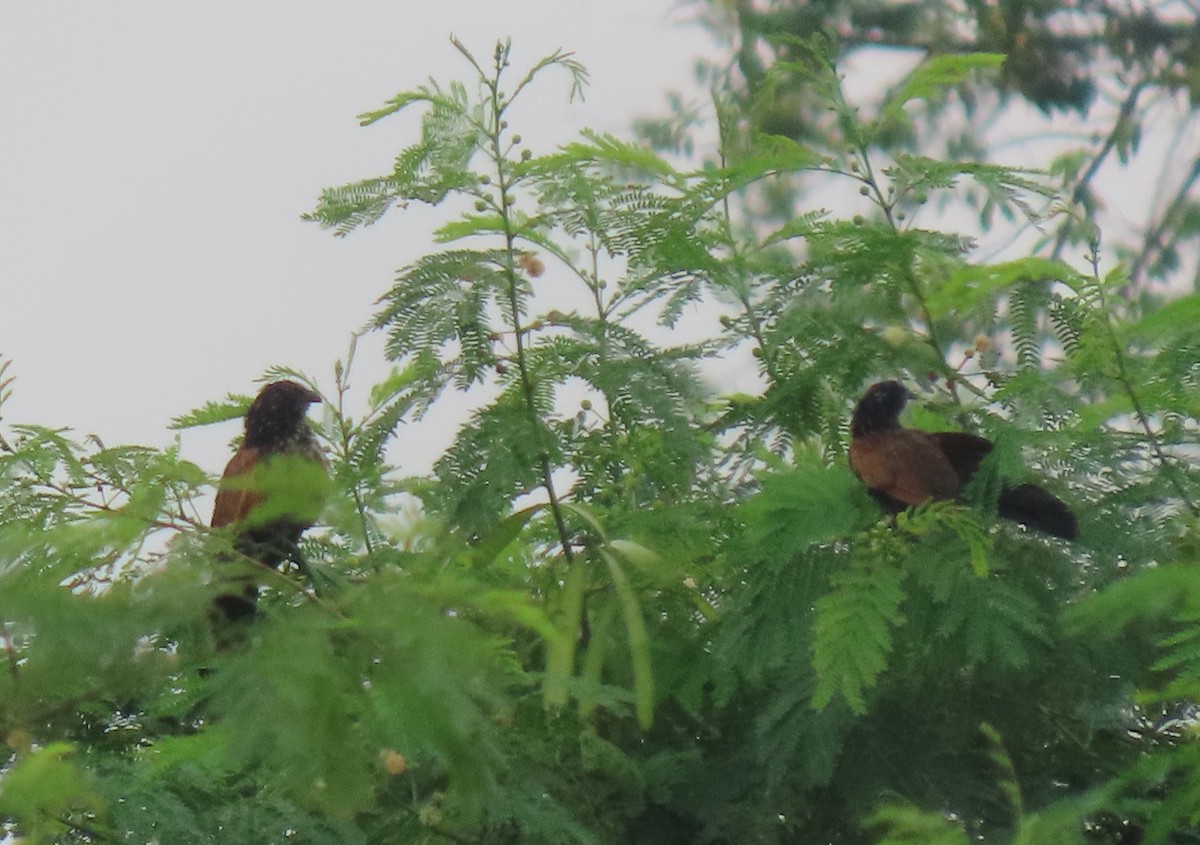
(903, 467)
(273, 487)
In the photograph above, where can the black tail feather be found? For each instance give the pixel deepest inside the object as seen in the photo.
(1034, 508)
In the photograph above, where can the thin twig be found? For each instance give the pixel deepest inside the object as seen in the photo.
(343, 386)
(1127, 384)
(503, 185)
(1124, 115)
(1153, 240)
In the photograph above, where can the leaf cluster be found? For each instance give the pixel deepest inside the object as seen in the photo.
(629, 604)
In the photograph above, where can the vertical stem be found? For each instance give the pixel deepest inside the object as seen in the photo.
(503, 184)
(1126, 382)
(1124, 115)
(610, 425)
(343, 376)
(743, 294)
(910, 278)
(867, 177)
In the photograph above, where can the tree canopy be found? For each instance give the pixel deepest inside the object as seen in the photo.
(634, 601)
(1102, 95)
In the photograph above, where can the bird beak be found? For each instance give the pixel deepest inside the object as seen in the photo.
(313, 397)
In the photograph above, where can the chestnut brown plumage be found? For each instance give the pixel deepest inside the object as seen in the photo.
(903, 466)
(258, 496)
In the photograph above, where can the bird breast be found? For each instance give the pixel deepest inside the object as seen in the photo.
(903, 464)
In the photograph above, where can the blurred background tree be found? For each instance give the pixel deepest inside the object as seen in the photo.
(1102, 95)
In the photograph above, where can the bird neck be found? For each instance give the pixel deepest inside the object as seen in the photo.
(862, 424)
(275, 436)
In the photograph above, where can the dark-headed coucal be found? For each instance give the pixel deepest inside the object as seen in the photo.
(903, 466)
(273, 487)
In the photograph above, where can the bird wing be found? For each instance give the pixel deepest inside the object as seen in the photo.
(1027, 504)
(905, 465)
(235, 498)
(965, 452)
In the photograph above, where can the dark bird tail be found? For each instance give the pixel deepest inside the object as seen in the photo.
(1033, 507)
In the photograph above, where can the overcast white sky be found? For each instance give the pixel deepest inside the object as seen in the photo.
(155, 158)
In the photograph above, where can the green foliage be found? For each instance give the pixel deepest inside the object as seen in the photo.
(852, 633)
(47, 785)
(622, 608)
(989, 79)
(909, 826)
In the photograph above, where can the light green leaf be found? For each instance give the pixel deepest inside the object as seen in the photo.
(394, 105)
(971, 285)
(469, 226)
(906, 825)
(560, 660)
(613, 151)
(805, 505)
(1177, 317)
(44, 786)
(489, 548)
(852, 635)
(639, 642)
(932, 77)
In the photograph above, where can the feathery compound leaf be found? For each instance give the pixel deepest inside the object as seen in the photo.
(852, 632)
(806, 505)
(496, 457)
(356, 205)
(905, 825)
(1178, 317)
(1024, 304)
(934, 75)
(771, 155)
(469, 226)
(441, 298)
(603, 148)
(46, 786)
(1151, 594)
(911, 174)
(396, 104)
(972, 284)
(232, 407)
(426, 172)
(559, 58)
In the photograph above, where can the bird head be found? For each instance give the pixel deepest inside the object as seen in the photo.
(277, 413)
(880, 407)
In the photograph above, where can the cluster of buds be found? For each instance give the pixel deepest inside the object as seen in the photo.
(531, 264)
(982, 344)
(393, 762)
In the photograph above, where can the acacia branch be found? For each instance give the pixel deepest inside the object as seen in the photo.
(1124, 115)
(1126, 382)
(1152, 243)
(503, 184)
(343, 385)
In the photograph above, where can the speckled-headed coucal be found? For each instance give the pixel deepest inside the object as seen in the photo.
(903, 466)
(273, 487)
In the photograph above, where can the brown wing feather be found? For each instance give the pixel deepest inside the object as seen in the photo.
(234, 501)
(904, 465)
